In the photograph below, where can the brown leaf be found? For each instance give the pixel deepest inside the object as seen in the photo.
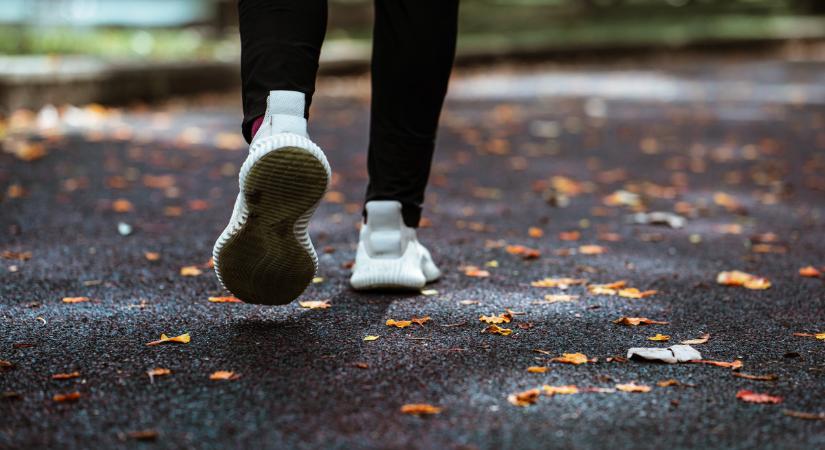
(420, 409)
(524, 252)
(501, 318)
(182, 339)
(143, 435)
(420, 320)
(754, 397)
(769, 377)
(70, 397)
(636, 321)
(75, 299)
(559, 298)
(571, 358)
(734, 365)
(537, 369)
(65, 376)
(122, 205)
(524, 398)
(700, 340)
(820, 336)
(495, 329)
(804, 415)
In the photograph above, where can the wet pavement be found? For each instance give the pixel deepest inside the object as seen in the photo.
(554, 159)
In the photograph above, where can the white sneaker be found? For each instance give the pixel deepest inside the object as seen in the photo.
(265, 255)
(389, 255)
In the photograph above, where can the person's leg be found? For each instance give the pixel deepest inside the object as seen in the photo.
(264, 255)
(280, 45)
(413, 51)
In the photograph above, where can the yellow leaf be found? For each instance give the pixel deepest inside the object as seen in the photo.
(557, 298)
(429, 292)
(501, 318)
(635, 293)
(419, 409)
(739, 278)
(659, 337)
(315, 304)
(592, 250)
(75, 299)
(560, 390)
(398, 323)
(562, 283)
(370, 338)
(495, 329)
(182, 339)
(537, 369)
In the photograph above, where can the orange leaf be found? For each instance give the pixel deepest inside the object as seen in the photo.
(420, 409)
(754, 397)
(474, 271)
(224, 375)
(636, 321)
(151, 256)
(75, 299)
(747, 376)
(571, 358)
(122, 205)
(70, 397)
(157, 372)
(524, 398)
(65, 376)
(592, 250)
(535, 232)
(569, 235)
(607, 289)
(810, 271)
(524, 252)
(562, 283)
(420, 320)
(635, 293)
(557, 298)
(560, 390)
(746, 280)
(190, 271)
(228, 299)
(537, 369)
(182, 339)
(733, 365)
(820, 336)
(495, 329)
(501, 318)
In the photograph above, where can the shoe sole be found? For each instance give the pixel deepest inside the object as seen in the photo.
(265, 256)
(401, 273)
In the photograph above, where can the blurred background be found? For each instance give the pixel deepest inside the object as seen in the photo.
(114, 51)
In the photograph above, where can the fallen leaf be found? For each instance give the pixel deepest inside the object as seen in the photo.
(495, 329)
(143, 435)
(537, 369)
(190, 271)
(701, 340)
(558, 298)
(429, 292)
(501, 318)
(810, 271)
(659, 337)
(227, 299)
(820, 336)
(592, 250)
(65, 376)
(315, 304)
(535, 232)
(804, 415)
(19, 256)
(668, 383)
(158, 372)
(562, 283)
(633, 387)
(398, 323)
(524, 398)
(151, 256)
(224, 375)
(747, 376)
(636, 321)
(754, 397)
(75, 299)
(733, 365)
(370, 338)
(560, 390)
(746, 280)
(606, 289)
(420, 320)
(122, 205)
(635, 293)
(571, 358)
(182, 339)
(70, 397)
(524, 252)
(474, 271)
(420, 409)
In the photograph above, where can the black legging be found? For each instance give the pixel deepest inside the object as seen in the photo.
(413, 50)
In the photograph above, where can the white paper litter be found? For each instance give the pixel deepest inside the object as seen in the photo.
(670, 355)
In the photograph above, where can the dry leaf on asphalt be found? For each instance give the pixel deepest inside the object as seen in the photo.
(559, 298)
(75, 299)
(143, 435)
(315, 304)
(369, 338)
(66, 376)
(70, 397)
(592, 250)
(659, 337)
(560, 390)
(182, 339)
(636, 321)
(420, 320)
(636, 293)
(733, 365)
(504, 317)
(633, 387)
(810, 271)
(151, 256)
(474, 271)
(157, 372)
(524, 398)
(804, 415)
(561, 283)
(224, 375)
(747, 376)
(571, 358)
(420, 409)
(820, 336)
(398, 323)
(607, 288)
(524, 252)
(754, 397)
(495, 329)
(225, 299)
(190, 271)
(700, 340)
(739, 278)
(537, 369)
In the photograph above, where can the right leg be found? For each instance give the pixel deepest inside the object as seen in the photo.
(265, 255)
(280, 45)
